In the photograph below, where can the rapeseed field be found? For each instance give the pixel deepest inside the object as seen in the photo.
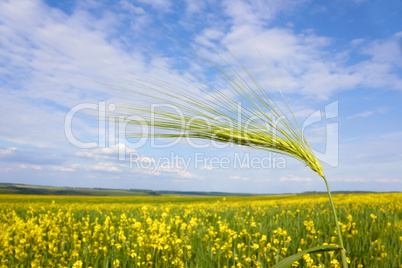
(257, 231)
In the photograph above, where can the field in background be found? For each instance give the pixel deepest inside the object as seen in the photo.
(10, 188)
(168, 231)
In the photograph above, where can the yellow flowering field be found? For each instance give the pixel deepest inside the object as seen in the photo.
(256, 231)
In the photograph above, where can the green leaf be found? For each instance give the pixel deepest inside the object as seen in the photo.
(295, 257)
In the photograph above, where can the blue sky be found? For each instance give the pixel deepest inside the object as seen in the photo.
(344, 56)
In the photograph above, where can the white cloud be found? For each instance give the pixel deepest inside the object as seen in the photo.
(359, 179)
(389, 180)
(207, 167)
(380, 71)
(239, 178)
(362, 114)
(307, 63)
(110, 153)
(174, 171)
(257, 11)
(392, 136)
(100, 166)
(385, 51)
(189, 175)
(161, 5)
(381, 110)
(132, 8)
(194, 6)
(54, 61)
(25, 166)
(357, 42)
(292, 178)
(62, 168)
(299, 62)
(105, 167)
(8, 151)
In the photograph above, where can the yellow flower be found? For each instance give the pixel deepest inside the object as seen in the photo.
(77, 264)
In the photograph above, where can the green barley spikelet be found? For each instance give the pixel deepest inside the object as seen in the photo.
(241, 112)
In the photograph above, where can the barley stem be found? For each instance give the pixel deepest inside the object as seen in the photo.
(344, 262)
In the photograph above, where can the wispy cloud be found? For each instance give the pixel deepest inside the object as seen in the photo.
(257, 11)
(389, 180)
(114, 153)
(37, 156)
(302, 64)
(360, 115)
(379, 110)
(239, 178)
(292, 178)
